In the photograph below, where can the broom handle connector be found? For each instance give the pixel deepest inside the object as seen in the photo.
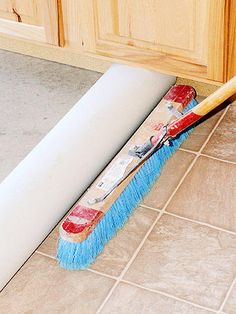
(211, 102)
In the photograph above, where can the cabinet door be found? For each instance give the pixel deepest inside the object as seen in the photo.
(175, 36)
(30, 19)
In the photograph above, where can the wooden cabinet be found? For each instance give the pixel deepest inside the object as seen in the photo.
(30, 19)
(189, 38)
(176, 36)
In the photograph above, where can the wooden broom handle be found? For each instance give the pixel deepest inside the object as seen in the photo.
(218, 97)
(211, 102)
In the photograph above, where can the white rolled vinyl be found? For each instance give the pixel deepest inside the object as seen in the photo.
(42, 188)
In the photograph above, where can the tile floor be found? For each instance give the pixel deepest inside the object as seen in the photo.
(176, 254)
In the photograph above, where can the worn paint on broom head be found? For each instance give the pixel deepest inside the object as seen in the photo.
(86, 230)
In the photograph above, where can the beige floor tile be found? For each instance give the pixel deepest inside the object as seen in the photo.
(230, 306)
(128, 299)
(49, 245)
(222, 143)
(187, 260)
(199, 135)
(119, 250)
(172, 173)
(42, 287)
(208, 194)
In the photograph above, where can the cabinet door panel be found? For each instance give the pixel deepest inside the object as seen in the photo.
(30, 19)
(156, 25)
(179, 36)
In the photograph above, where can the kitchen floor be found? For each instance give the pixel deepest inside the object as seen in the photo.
(176, 254)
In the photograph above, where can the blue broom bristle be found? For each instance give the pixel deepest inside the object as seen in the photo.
(81, 255)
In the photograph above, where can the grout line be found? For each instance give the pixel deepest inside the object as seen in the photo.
(209, 156)
(219, 159)
(88, 269)
(200, 223)
(167, 295)
(45, 254)
(107, 297)
(227, 295)
(152, 208)
(102, 274)
(188, 151)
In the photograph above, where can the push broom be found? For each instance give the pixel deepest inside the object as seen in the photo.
(111, 199)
